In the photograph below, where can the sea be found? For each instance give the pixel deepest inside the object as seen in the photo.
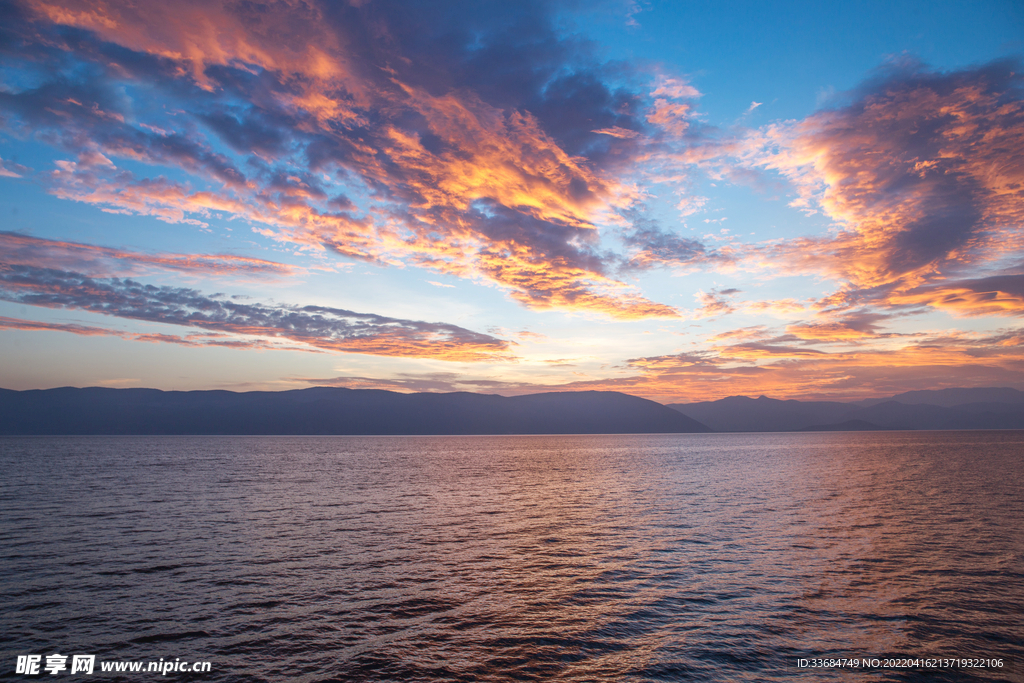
(870, 556)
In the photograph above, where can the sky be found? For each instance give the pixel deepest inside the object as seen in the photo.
(680, 201)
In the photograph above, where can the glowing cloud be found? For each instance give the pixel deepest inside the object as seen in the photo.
(925, 173)
(756, 369)
(446, 165)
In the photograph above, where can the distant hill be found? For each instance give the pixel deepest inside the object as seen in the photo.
(848, 426)
(949, 398)
(330, 410)
(763, 414)
(980, 408)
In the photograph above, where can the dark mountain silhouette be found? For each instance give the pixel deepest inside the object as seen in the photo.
(763, 414)
(848, 426)
(976, 408)
(949, 398)
(330, 410)
(896, 415)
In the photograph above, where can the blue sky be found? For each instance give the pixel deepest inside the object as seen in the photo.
(680, 201)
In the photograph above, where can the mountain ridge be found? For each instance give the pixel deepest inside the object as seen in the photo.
(955, 408)
(340, 410)
(329, 410)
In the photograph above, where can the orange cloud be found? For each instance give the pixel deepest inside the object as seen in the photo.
(924, 172)
(494, 247)
(617, 132)
(559, 285)
(455, 173)
(779, 367)
(198, 35)
(754, 333)
(996, 295)
(791, 372)
(504, 158)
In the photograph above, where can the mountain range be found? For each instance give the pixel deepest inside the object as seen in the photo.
(331, 410)
(976, 408)
(335, 410)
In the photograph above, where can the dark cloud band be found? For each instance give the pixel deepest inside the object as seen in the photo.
(321, 327)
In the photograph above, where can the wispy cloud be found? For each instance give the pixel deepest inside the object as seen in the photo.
(426, 382)
(212, 339)
(37, 326)
(716, 302)
(98, 261)
(9, 169)
(319, 327)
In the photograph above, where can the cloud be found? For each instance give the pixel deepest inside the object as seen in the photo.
(617, 132)
(754, 361)
(752, 333)
(34, 326)
(9, 169)
(652, 246)
(755, 351)
(633, 8)
(924, 173)
(672, 117)
(994, 295)
(928, 361)
(97, 261)
(714, 303)
(433, 382)
(850, 327)
(319, 327)
(472, 139)
(676, 89)
(187, 340)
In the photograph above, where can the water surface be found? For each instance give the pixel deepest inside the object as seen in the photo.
(723, 557)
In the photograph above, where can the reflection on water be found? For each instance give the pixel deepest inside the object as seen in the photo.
(669, 557)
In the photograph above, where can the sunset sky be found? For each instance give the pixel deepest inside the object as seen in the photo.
(681, 201)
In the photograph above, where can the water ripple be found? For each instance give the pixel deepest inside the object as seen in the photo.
(565, 558)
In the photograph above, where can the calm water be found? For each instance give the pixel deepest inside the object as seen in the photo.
(670, 557)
